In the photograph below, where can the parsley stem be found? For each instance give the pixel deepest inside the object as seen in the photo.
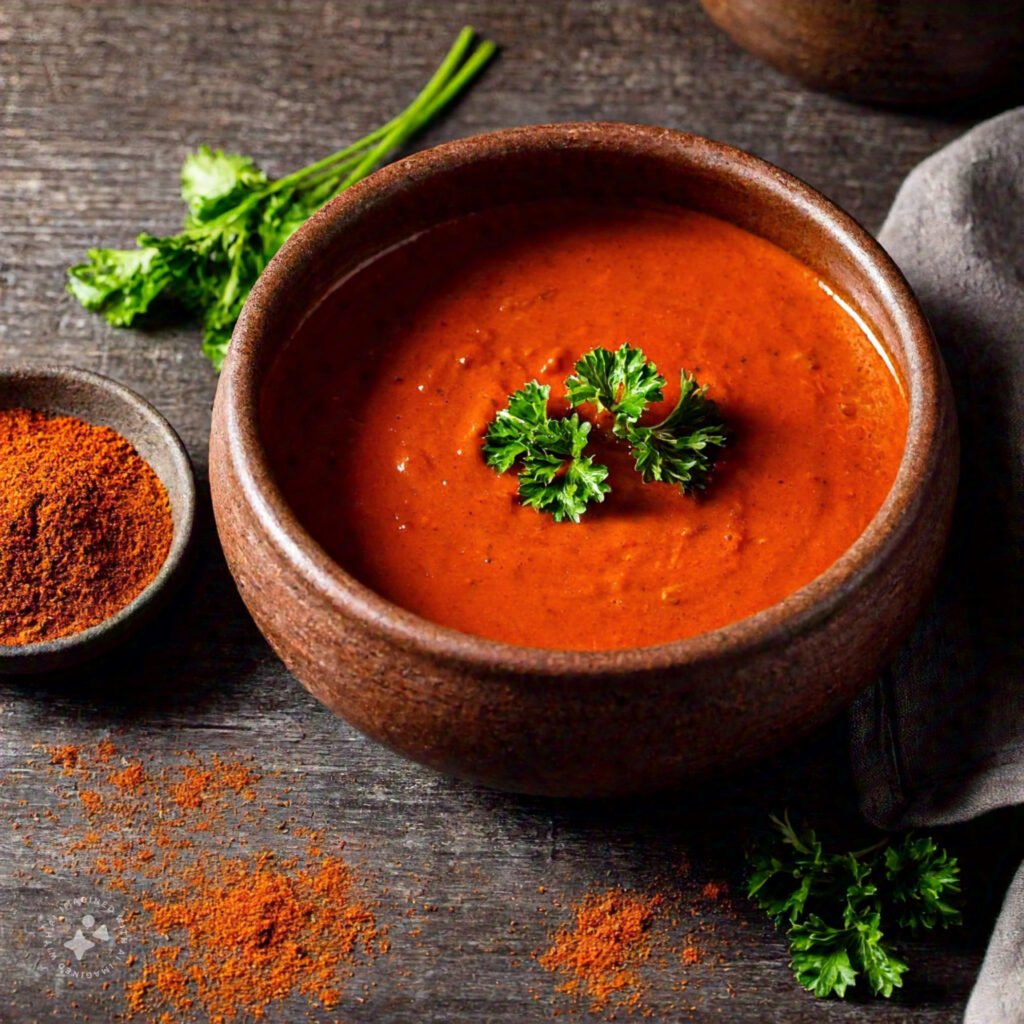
(476, 62)
(434, 95)
(445, 84)
(873, 848)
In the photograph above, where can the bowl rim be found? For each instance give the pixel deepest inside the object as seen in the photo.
(815, 602)
(62, 651)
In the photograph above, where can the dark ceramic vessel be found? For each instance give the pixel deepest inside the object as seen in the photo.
(903, 52)
(64, 391)
(569, 722)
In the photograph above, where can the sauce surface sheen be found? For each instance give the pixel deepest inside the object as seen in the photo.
(373, 417)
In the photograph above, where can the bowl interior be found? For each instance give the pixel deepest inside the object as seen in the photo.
(64, 391)
(618, 164)
(609, 163)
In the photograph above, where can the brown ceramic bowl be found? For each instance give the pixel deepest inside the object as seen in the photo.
(570, 722)
(903, 52)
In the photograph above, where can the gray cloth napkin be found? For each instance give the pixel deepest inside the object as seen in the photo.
(940, 738)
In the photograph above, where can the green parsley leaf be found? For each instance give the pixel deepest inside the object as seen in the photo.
(682, 449)
(832, 905)
(820, 958)
(120, 283)
(555, 477)
(513, 430)
(213, 181)
(623, 382)
(238, 218)
(828, 960)
(780, 880)
(884, 972)
(922, 879)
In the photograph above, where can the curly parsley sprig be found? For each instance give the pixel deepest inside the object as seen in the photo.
(238, 218)
(833, 905)
(556, 477)
(682, 448)
(623, 382)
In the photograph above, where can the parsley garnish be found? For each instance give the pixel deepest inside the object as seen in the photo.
(623, 382)
(238, 218)
(833, 905)
(682, 449)
(555, 477)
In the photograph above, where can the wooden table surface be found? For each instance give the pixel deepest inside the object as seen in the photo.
(100, 102)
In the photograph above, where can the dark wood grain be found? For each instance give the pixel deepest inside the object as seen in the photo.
(98, 105)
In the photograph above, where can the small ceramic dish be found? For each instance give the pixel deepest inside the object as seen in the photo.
(64, 391)
(582, 723)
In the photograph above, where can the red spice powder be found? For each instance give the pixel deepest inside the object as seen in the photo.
(619, 945)
(715, 890)
(599, 955)
(130, 779)
(223, 933)
(200, 784)
(256, 931)
(91, 801)
(691, 954)
(104, 751)
(65, 757)
(86, 524)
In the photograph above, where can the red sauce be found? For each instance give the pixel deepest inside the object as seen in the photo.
(375, 411)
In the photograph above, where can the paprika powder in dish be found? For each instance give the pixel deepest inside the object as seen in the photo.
(85, 525)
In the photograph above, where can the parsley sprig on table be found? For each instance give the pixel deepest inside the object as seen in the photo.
(238, 218)
(834, 905)
(554, 474)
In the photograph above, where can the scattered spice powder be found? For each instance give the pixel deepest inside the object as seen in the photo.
(599, 955)
(715, 890)
(66, 757)
(226, 933)
(91, 801)
(223, 933)
(104, 751)
(257, 932)
(200, 784)
(86, 525)
(692, 954)
(616, 944)
(131, 779)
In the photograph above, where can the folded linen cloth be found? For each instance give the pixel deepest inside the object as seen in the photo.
(940, 738)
